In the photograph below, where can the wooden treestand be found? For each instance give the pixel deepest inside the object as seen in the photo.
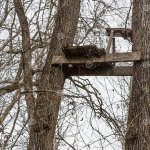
(88, 60)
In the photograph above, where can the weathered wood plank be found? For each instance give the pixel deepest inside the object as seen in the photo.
(113, 45)
(120, 32)
(100, 71)
(108, 58)
(110, 41)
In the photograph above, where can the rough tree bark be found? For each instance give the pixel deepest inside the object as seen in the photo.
(43, 118)
(138, 131)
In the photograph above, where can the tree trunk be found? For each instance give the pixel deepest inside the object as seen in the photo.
(44, 112)
(138, 126)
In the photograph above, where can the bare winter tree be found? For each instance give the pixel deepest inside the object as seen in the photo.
(43, 110)
(137, 136)
(47, 105)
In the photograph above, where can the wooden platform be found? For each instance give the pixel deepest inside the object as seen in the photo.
(88, 60)
(108, 58)
(120, 32)
(86, 51)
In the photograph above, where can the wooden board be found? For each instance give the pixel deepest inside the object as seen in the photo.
(120, 32)
(108, 58)
(83, 51)
(100, 71)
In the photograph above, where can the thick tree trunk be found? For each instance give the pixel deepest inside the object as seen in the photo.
(43, 118)
(138, 129)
